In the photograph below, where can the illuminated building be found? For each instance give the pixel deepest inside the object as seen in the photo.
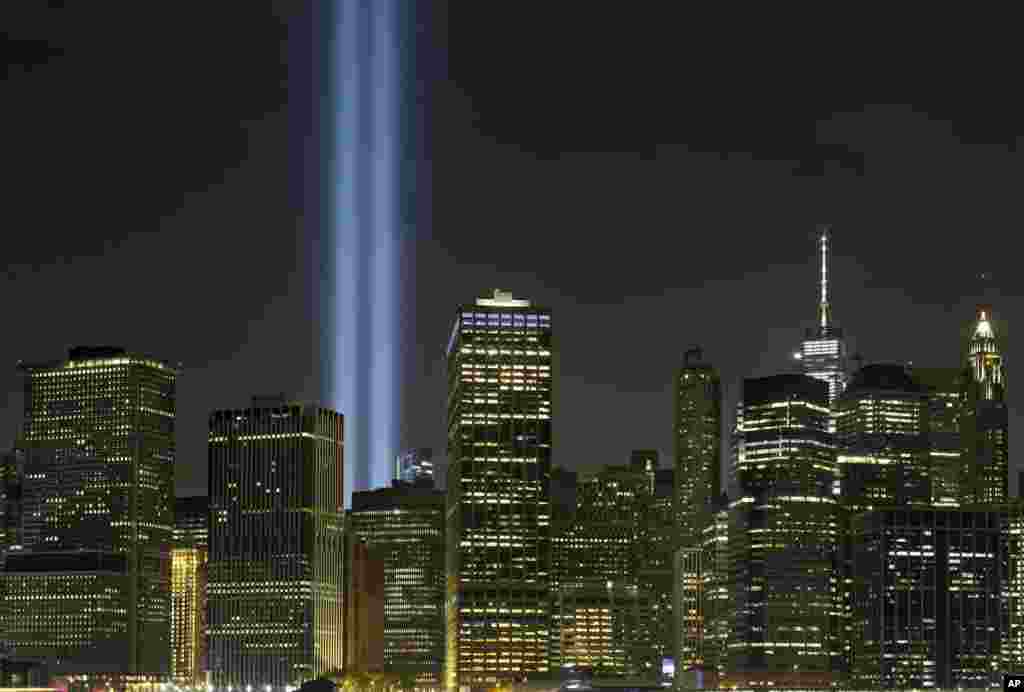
(716, 604)
(698, 437)
(405, 525)
(90, 593)
(11, 469)
(984, 425)
(563, 520)
(415, 466)
(1012, 524)
(784, 538)
(882, 421)
(823, 352)
(656, 542)
(499, 514)
(647, 462)
(947, 390)
(927, 607)
(605, 622)
(188, 589)
(276, 544)
(689, 608)
(364, 606)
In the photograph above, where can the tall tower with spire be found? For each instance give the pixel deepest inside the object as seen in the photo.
(823, 351)
(984, 426)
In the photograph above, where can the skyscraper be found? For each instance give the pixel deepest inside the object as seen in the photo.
(784, 537)
(499, 451)
(984, 425)
(90, 593)
(881, 421)
(656, 542)
(188, 589)
(928, 611)
(415, 466)
(405, 525)
(946, 388)
(698, 435)
(823, 351)
(364, 606)
(276, 544)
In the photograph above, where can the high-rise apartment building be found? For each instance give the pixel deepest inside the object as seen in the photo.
(188, 590)
(882, 434)
(698, 434)
(276, 544)
(499, 512)
(984, 425)
(415, 466)
(90, 592)
(928, 611)
(784, 537)
(405, 525)
(823, 351)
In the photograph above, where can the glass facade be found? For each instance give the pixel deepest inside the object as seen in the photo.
(405, 524)
(499, 513)
(784, 538)
(276, 544)
(97, 501)
(415, 466)
(188, 590)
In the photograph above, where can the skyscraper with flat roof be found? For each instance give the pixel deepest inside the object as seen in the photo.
(784, 538)
(499, 505)
(405, 525)
(188, 589)
(276, 544)
(90, 592)
(698, 434)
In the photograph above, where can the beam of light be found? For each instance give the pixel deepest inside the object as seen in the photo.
(363, 198)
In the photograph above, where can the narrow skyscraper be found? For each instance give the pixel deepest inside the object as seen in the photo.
(276, 544)
(984, 425)
(90, 592)
(698, 434)
(188, 590)
(499, 509)
(823, 351)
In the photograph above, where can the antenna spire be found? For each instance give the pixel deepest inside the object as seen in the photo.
(824, 311)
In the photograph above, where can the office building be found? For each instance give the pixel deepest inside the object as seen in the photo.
(188, 590)
(90, 592)
(415, 466)
(11, 469)
(276, 544)
(984, 425)
(784, 538)
(947, 391)
(689, 608)
(499, 512)
(823, 352)
(698, 434)
(405, 525)
(365, 609)
(604, 622)
(882, 434)
(656, 542)
(928, 611)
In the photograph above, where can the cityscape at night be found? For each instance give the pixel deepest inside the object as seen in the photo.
(423, 346)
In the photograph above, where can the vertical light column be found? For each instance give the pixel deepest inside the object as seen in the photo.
(363, 224)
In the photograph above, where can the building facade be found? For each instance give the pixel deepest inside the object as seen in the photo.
(698, 435)
(984, 425)
(405, 524)
(928, 610)
(499, 454)
(90, 591)
(784, 538)
(188, 590)
(365, 607)
(276, 544)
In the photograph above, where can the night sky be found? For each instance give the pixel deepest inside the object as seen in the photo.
(655, 180)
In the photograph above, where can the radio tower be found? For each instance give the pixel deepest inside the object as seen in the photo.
(823, 351)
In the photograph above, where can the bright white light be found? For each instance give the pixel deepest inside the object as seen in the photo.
(798, 355)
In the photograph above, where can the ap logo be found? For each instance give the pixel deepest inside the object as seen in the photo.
(1013, 682)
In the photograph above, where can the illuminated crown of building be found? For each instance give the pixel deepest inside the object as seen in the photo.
(985, 357)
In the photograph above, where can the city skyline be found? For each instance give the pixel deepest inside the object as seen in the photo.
(902, 177)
